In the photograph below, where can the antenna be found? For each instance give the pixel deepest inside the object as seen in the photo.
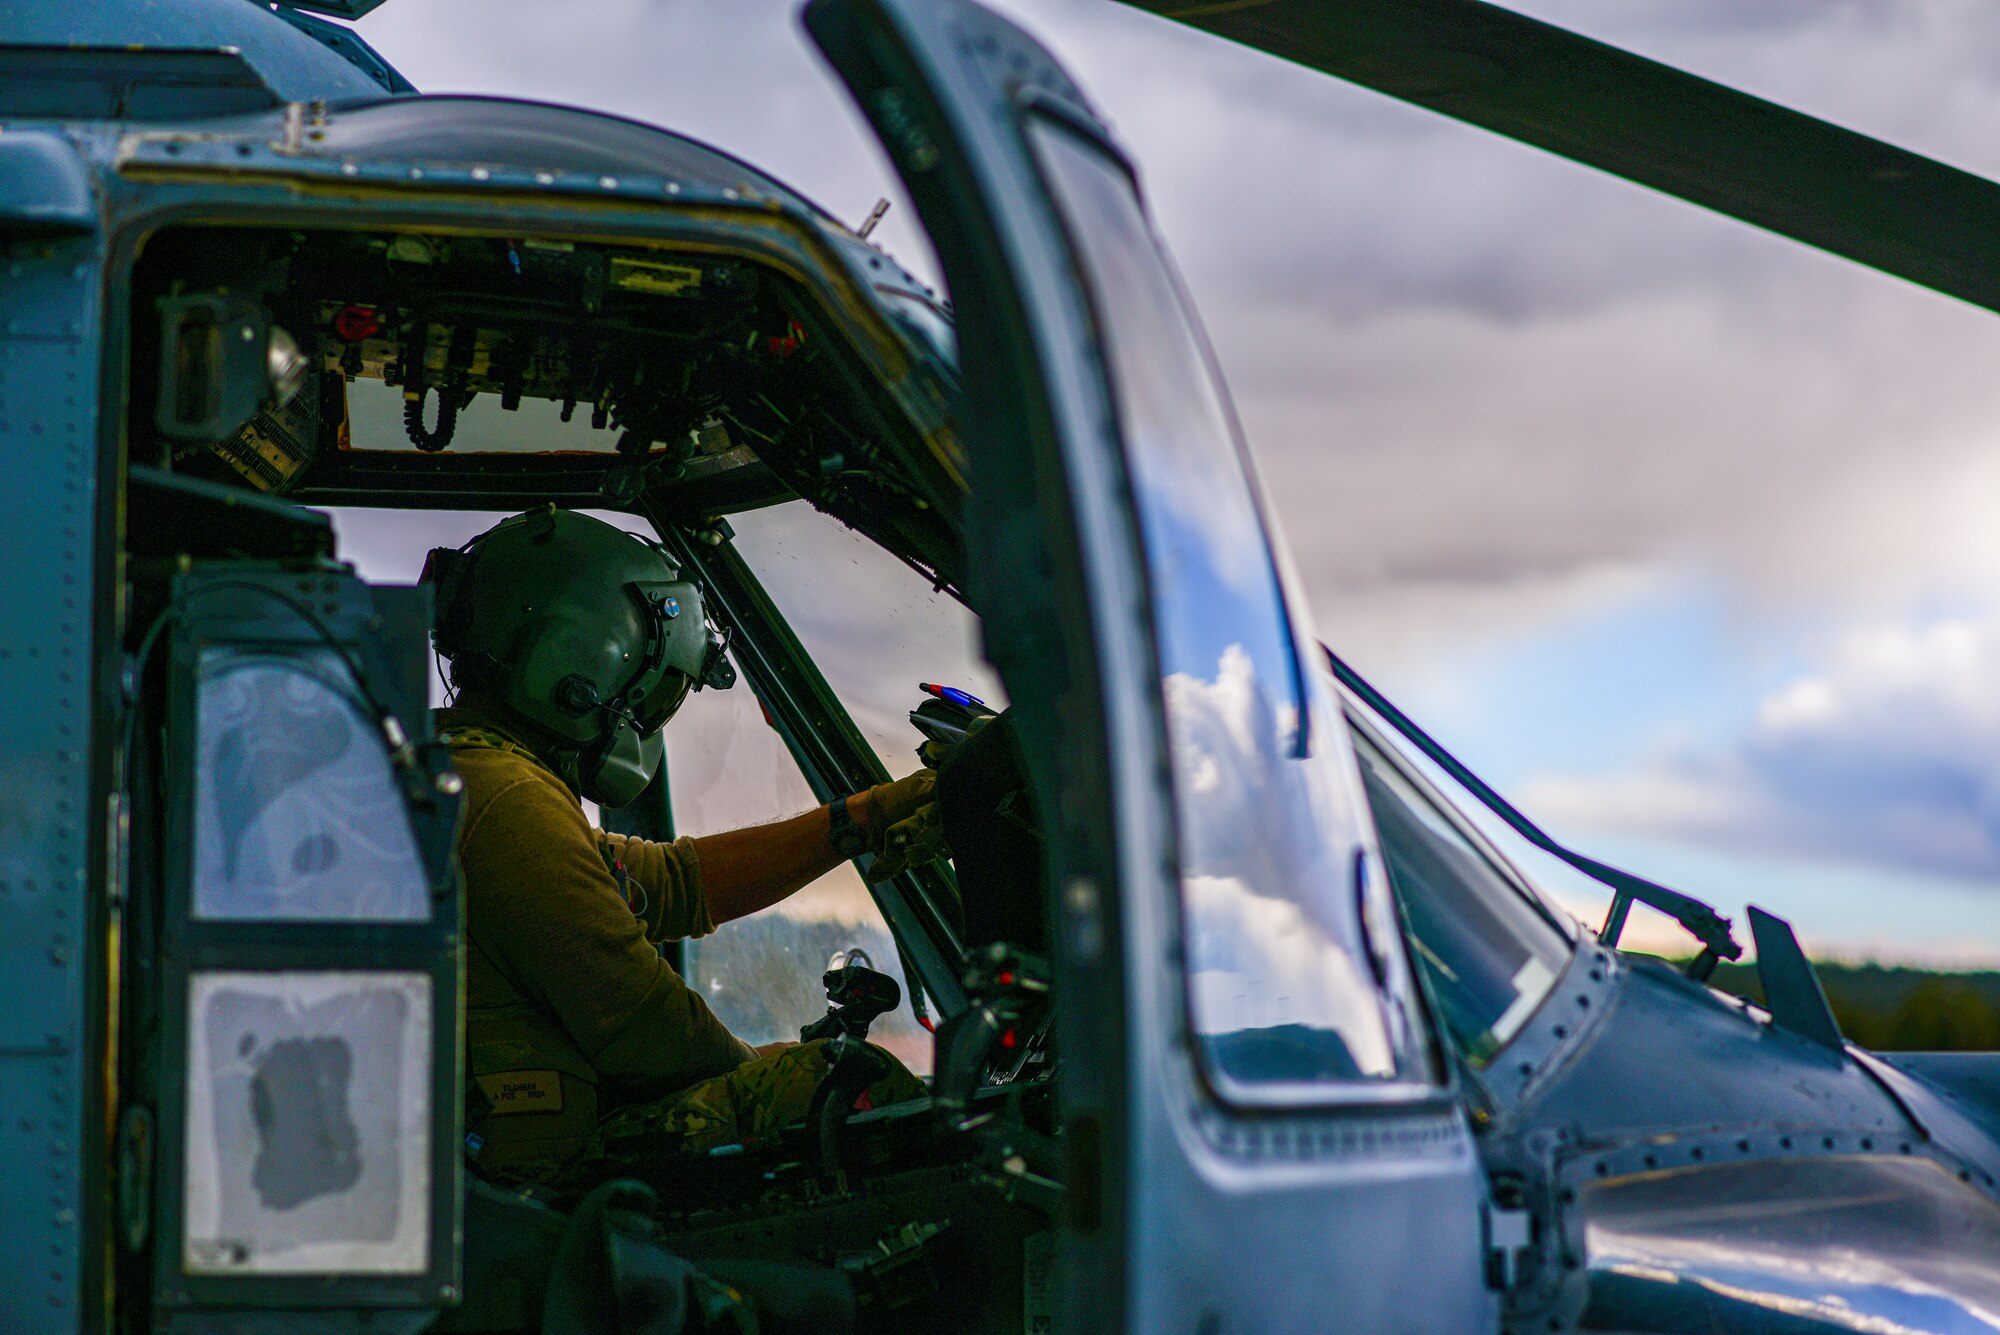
(874, 216)
(1791, 989)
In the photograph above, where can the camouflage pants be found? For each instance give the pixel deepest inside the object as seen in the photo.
(750, 1103)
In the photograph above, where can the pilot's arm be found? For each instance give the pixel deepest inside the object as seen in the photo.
(753, 868)
(690, 886)
(552, 914)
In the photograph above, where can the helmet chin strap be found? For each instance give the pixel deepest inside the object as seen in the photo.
(611, 771)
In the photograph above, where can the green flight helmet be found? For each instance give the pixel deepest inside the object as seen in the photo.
(586, 632)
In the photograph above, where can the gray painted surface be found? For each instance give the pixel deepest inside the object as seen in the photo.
(293, 65)
(50, 334)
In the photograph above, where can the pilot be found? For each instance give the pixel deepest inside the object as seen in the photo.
(571, 643)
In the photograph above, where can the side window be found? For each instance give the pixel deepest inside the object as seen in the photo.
(727, 768)
(1489, 954)
(1295, 976)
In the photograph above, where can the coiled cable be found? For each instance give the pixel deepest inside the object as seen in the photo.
(431, 441)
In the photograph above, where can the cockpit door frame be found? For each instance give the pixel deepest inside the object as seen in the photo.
(1182, 1214)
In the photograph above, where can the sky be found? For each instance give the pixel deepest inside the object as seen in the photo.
(1676, 531)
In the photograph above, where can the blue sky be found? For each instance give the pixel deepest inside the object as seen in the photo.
(1679, 532)
(1583, 703)
(1588, 691)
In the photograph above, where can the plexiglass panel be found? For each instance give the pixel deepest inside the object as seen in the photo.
(375, 422)
(761, 974)
(874, 627)
(1489, 954)
(1294, 975)
(297, 812)
(308, 1123)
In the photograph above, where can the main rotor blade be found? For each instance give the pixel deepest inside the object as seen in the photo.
(1803, 178)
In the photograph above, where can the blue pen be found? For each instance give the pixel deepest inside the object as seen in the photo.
(952, 695)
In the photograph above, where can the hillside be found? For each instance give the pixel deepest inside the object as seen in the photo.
(1898, 1009)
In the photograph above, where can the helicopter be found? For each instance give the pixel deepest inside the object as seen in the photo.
(1238, 1020)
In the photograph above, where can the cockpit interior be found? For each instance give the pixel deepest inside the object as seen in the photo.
(292, 388)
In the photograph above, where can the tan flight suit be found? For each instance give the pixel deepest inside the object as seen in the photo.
(571, 1014)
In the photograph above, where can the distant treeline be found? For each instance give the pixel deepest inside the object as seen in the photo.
(1897, 1010)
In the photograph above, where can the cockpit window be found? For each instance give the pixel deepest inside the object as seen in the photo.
(874, 627)
(1295, 978)
(1489, 955)
(728, 768)
(377, 420)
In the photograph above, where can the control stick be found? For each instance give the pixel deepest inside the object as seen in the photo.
(857, 994)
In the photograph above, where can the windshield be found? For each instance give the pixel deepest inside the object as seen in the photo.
(874, 627)
(1489, 955)
(728, 768)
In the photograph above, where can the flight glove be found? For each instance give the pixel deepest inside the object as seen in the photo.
(904, 827)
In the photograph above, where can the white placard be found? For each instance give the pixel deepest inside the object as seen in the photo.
(308, 1123)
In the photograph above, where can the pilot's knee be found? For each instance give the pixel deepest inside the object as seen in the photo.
(896, 1083)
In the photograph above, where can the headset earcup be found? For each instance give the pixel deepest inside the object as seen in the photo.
(448, 571)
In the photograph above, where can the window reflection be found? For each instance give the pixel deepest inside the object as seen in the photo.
(1282, 981)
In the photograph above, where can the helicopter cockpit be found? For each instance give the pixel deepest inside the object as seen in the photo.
(740, 355)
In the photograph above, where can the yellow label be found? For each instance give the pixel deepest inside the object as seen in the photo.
(666, 280)
(523, 1091)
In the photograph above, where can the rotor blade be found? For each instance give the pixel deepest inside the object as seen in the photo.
(1803, 178)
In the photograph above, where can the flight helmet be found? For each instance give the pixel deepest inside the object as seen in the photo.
(585, 632)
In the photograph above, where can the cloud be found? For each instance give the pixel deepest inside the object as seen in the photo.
(1886, 756)
(1461, 362)
(740, 75)
(1487, 388)
(1483, 384)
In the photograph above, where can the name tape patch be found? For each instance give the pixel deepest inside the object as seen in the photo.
(523, 1091)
